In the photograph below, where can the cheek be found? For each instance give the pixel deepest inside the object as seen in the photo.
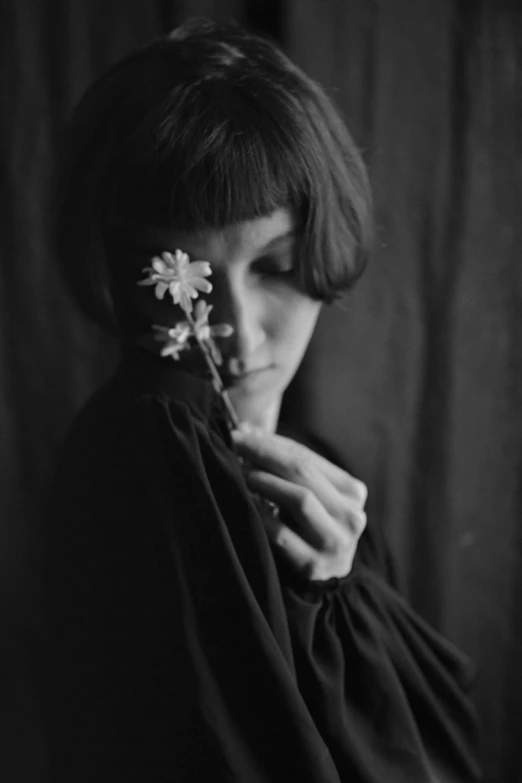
(291, 325)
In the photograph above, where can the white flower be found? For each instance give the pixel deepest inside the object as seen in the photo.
(177, 275)
(205, 333)
(174, 339)
(183, 280)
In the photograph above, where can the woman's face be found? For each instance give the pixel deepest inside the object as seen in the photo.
(256, 291)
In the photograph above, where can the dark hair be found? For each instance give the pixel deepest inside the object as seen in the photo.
(205, 128)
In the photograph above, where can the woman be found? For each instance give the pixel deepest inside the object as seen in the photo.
(214, 611)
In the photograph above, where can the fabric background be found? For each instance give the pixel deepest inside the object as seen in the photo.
(416, 378)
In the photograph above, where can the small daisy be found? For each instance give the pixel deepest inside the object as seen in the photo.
(174, 339)
(206, 333)
(184, 280)
(177, 275)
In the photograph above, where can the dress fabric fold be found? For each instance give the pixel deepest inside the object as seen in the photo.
(183, 649)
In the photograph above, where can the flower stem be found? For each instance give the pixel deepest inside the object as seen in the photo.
(271, 507)
(216, 378)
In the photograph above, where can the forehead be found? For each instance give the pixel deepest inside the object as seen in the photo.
(241, 240)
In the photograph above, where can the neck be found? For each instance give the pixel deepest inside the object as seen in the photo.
(267, 419)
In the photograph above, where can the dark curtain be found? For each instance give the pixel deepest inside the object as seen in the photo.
(427, 352)
(416, 377)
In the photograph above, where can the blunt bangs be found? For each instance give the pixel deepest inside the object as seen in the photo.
(210, 127)
(208, 160)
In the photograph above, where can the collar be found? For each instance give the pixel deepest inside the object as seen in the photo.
(148, 373)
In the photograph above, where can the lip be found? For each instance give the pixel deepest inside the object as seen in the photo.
(235, 379)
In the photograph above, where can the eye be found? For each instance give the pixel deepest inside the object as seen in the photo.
(273, 266)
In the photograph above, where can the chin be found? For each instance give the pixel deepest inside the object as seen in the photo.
(251, 407)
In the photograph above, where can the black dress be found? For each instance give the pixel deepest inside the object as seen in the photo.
(182, 650)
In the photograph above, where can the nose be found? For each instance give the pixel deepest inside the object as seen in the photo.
(240, 305)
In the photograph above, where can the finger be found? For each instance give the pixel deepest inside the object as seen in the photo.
(346, 484)
(276, 452)
(285, 458)
(305, 474)
(312, 520)
(341, 479)
(291, 545)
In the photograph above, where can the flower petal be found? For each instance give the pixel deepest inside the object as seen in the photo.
(189, 290)
(159, 265)
(180, 258)
(171, 350)
(199, 269)
(184, 300)
(203, 332)
(221, 330)
(202, 310)
(201, 285)
(185, 327)
(175, 292)
(161, 287)
(180, 332)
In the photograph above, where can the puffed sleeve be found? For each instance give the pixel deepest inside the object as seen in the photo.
(171, 658)
(389, 695)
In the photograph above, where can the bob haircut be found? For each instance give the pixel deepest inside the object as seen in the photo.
(205, 128)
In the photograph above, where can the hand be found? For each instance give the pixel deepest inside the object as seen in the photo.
(325, 504)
